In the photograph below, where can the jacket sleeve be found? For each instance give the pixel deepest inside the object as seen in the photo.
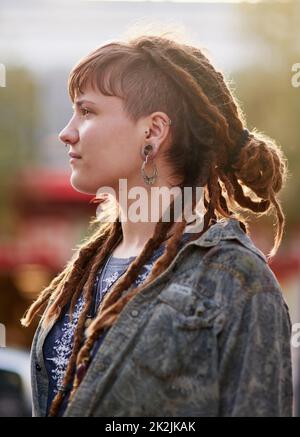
(255, 376)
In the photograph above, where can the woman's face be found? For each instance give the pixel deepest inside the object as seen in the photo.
(106, 140)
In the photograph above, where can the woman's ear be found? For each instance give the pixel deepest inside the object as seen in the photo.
(159, 127)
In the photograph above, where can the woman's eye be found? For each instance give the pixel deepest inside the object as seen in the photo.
(84, 111)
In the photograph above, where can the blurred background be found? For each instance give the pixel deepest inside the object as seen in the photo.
(42, 218)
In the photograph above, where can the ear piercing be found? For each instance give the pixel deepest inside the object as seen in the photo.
(147, 150)
(169, 122)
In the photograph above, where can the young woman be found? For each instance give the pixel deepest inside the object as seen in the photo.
(165, 318)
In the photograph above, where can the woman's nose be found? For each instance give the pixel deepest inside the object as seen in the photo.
(68, 135)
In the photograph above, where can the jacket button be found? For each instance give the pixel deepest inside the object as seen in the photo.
(38, 367)
(134, 313)
(200, 309)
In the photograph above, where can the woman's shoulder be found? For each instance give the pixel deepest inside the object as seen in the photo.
(231, 267)
(225, 246)
(235, 283)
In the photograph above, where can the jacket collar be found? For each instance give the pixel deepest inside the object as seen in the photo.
(227, 229)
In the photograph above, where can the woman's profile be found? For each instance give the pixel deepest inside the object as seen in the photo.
(163, 317)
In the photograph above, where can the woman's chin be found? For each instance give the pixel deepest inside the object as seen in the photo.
(80, 185)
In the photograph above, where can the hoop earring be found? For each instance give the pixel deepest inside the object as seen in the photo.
(149, 180)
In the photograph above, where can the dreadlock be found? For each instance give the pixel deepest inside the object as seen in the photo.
(207, 125)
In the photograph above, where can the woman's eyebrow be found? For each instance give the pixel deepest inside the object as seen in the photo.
(79, 103)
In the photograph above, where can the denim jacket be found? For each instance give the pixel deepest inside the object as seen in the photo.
(210, 336)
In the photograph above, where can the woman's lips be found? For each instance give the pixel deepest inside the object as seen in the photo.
(72, 160)
(74, 155)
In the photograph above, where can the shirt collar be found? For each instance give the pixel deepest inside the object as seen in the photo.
(227, 229)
